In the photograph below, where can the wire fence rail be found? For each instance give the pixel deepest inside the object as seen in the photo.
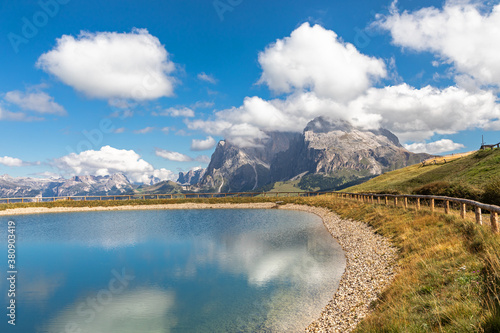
(402, 200)
(158, 196)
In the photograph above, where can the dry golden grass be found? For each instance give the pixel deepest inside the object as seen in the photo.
(445, 265)
(448, 158)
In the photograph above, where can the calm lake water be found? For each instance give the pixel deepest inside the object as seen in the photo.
(170, 271)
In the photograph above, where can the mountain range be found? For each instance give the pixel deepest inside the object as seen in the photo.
(328, 153)
(56, 187)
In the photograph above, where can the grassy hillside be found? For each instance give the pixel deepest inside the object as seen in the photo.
(288, 186)
(160, 188)
(476, 176)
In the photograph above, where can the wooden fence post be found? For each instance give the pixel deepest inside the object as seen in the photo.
(463, 210)
(494, 221)
(396, 201)
(385, 197)
(446, 207)
(406, 203)
(479, 216)
(418, 204)
(432, 205)
(378, 200)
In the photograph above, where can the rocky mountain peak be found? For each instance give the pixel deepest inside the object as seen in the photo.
(333, 148)
(191, 177)
(327, 125)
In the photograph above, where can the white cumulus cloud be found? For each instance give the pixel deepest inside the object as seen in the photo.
(317, 59)
(11, 161)
(465, 34)
(207, 78)
(179, 157)
(109, 160)
(172, 155)
(198, 145)
(417, 114)
(16, 116)
(313, 67)
(145, 130)
(436, 147)
(176, 112)
(37, 101)
(412, 114)
(112, 65)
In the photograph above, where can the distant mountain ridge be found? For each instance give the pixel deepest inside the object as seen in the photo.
(191, 177)
(53, 187)
(334, 149)
(232, 168)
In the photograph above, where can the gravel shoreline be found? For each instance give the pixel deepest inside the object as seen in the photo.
(370, 258)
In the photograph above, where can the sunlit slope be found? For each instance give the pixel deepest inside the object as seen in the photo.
(472, 173)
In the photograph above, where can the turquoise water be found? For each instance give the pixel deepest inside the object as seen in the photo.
(170, 271)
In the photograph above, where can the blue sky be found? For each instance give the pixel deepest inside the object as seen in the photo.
(148, 88)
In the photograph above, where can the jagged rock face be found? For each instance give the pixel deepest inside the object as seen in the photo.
(234, 169)
(11, 187)
(95, 185)
(78, 185)
(330, 147)
(191, 177)
(333, 148)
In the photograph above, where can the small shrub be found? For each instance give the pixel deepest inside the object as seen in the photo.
(435, 188)
(447, 189)
(491, 193)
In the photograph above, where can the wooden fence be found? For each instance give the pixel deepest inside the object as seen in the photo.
(431, 200)
(402, 200)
